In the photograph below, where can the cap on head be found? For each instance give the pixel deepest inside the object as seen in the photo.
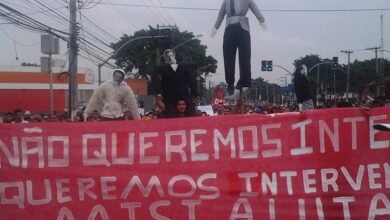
(119, 71)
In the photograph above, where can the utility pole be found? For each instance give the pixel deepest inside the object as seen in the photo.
(50, 46)
(348, 72)
(377, 65)
(51, 101)
(73, 47)
(318, 84)
(334, 85)
(318, 76)
(161, 30)
(383, 47)
(376, 59)
(158, 47)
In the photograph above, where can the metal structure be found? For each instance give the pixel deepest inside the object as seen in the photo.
(100, 65)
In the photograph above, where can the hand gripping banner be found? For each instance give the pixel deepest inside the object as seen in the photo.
(322, 164)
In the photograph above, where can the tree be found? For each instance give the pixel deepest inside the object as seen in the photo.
(361, 73)
(326, 76)
(140, 57)
(257, 89)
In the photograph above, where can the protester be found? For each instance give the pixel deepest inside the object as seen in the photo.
(181, 108)
(218, 108)
(36, 118)
(54, 118)
(8, 118)
(113, 95)
(27, 116)
(19, 116)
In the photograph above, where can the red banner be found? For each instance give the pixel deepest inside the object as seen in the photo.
(322, 164)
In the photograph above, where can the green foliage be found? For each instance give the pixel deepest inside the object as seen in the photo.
(361, 73)
(142, 56)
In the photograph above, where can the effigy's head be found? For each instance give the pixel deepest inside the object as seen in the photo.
(118, 76)
(169, 56)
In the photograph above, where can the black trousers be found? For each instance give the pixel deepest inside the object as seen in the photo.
(235, 37)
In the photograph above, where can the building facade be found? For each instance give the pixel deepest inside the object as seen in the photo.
(29, 89)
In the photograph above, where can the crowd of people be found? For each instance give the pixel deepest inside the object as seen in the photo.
(20, 116)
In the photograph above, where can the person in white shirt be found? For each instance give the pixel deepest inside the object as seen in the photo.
(112, 98)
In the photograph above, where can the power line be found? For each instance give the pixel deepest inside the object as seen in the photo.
(88, 32)
(31, 24)
(90, 52)
(54, 15)
(166, 11)
(98, 27)
(83, 32)
(54, 12)
(16, 52)
(21, 44)
(88, 3)
(159, 12)
(13, 3)
(27, 22)
(326, 10)
(43, 11)
(62, 17)
(60, 3)
(267, 10)
(151, 11)
(85, 41)
(127, 19)
(34, 12)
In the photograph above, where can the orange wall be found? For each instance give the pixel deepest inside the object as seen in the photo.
(38, 100)
(35, 77)
(139, 86)
(32, 100)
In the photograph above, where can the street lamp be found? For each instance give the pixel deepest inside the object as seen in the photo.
(182, 43)
(318, 76)
(283, 69)
(199, 77)
(179, 45)
(120, 48)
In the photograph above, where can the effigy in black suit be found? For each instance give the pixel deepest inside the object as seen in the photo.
(173, 81)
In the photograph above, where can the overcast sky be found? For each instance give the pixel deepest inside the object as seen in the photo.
(295, 28)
